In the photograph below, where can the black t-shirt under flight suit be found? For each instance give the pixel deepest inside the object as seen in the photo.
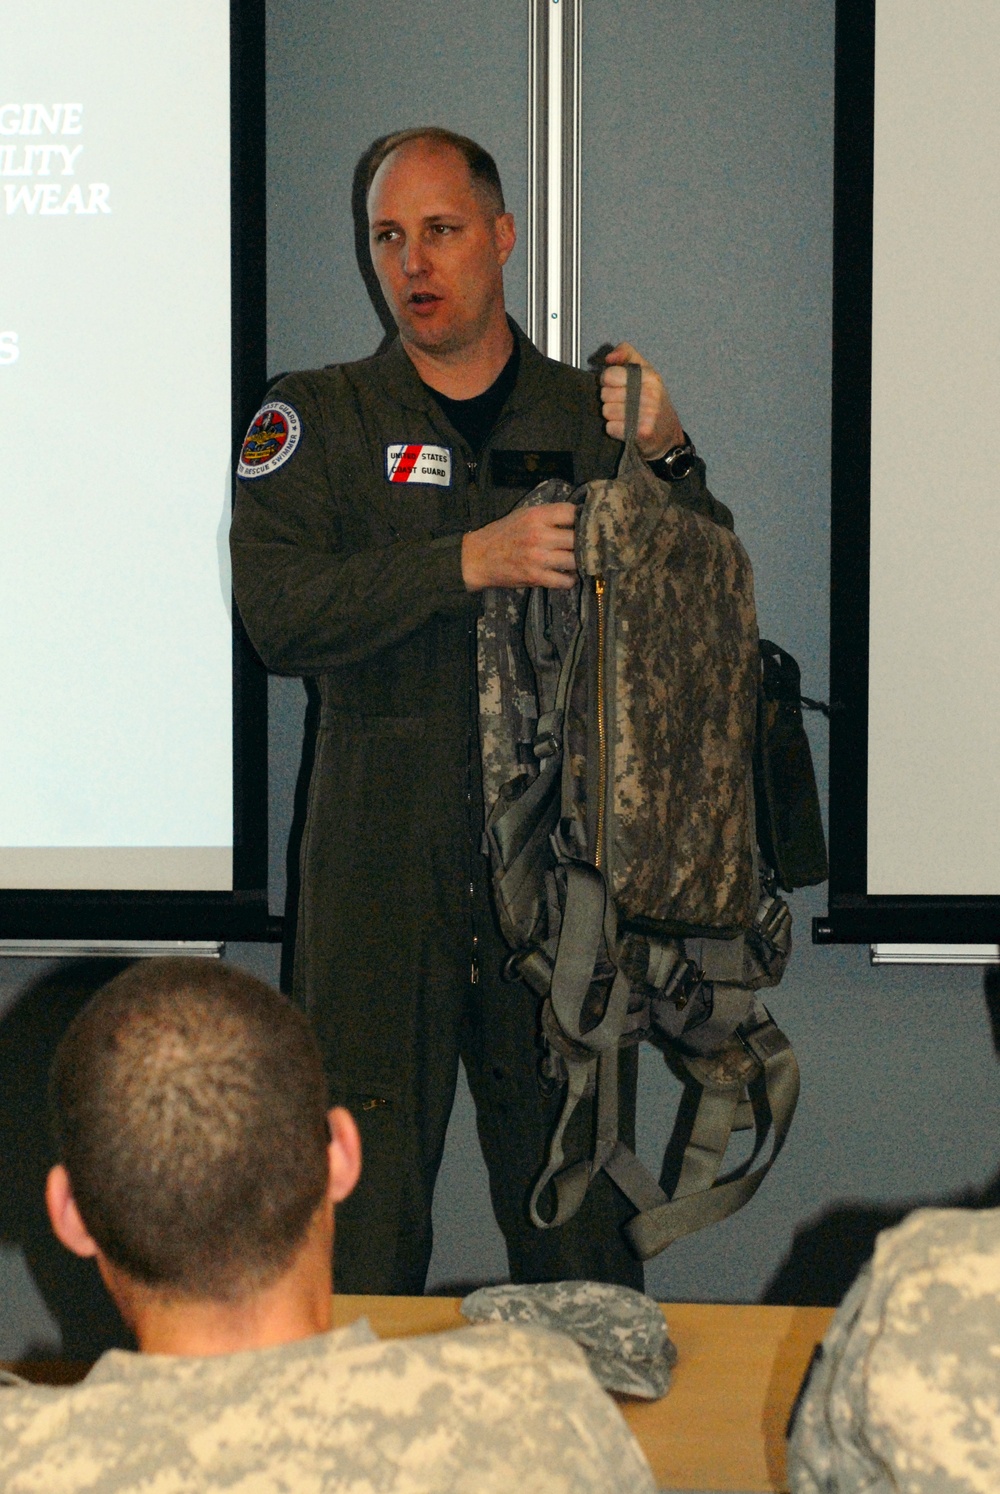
(347, 568)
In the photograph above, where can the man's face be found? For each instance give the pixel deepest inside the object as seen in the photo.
(437, 249)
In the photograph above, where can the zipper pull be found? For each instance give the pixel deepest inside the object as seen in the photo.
(472, 468)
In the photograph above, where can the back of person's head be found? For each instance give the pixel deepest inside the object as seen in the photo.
(189, 1109)
(482, 167)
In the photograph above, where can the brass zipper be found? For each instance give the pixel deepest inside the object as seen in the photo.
(602, 746)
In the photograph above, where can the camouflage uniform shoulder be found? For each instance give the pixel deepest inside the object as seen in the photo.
(474, 1411)
(907, 1394)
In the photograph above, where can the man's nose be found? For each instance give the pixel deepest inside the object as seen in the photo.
(414, 259)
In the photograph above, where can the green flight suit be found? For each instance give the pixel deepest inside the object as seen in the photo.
(348, 577)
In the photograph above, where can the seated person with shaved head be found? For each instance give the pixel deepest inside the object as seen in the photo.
(201, 1169)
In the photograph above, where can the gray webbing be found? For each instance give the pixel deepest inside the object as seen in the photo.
(653, 1229)
(591, 1058)
(698, 1200)
(633, 389)
(588, 917)
(630, 458)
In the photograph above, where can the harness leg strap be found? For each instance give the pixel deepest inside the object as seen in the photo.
(652, 1231)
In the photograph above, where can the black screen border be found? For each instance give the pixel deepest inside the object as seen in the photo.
(854, 917)
(242, 914)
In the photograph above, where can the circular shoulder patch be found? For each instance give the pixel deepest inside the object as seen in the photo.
(273, 436)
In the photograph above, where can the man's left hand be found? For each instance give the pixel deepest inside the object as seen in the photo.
(659, 428)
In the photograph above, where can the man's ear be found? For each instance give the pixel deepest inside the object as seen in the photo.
(505, 236)
(64, 1216)
(344, 1152)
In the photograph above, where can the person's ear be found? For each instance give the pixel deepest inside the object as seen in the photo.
(504, 236)
(64, 1216)
(344, 1152)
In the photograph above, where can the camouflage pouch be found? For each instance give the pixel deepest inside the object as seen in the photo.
(617, 724)
(668, 696)
(789, 823)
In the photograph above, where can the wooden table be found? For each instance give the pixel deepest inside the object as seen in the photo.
(720, 1426)
(722, 1423)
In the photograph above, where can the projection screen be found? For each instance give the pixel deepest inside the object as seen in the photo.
(118, 346)
(915, 741)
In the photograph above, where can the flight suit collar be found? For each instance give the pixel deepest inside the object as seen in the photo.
(405, 386)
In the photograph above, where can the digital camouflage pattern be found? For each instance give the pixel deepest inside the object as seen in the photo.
(509, 688)
(622, 1333)
(906, 1395)
(617, 721)
(681, 690)
(479, 1411)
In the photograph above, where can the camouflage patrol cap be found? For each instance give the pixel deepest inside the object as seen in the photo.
(906, 1394)
(622, 1333)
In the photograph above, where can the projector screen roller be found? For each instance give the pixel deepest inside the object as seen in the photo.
(116, 764)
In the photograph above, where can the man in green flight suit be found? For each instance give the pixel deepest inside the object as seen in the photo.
(374, 506)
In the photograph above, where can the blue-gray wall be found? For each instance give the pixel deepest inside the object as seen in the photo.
(707, 216)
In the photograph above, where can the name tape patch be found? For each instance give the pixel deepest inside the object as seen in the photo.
(410, 462)
(273, 435)
(525, 469)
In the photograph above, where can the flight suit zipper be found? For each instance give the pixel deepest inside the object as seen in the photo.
(472, 472)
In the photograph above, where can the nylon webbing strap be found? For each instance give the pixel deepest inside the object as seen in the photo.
(579, 946)
(583, 927)
(630, 457)
(570, 1183)
(542, 651)
(639, 1186)
(655, 1229)
(713, 1126)
(633, 388)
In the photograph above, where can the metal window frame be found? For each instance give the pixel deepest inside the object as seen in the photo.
(555, 78)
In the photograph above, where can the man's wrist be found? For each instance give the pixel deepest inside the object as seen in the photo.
(676, 462)
(471, 568)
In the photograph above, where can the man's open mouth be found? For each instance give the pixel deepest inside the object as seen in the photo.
(424, 298)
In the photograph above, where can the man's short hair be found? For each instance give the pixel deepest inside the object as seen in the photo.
(482, 167)
(189, 1108)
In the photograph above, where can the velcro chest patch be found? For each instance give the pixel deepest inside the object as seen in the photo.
(416, 462)
(526, 469)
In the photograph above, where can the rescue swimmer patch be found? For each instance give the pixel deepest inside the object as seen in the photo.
(273, 435)
(411, 462)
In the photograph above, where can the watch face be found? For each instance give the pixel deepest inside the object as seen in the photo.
(680, 464)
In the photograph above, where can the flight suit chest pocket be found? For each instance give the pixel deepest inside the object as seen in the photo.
(419, 496)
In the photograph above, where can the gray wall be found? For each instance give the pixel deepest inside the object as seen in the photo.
(707, 214)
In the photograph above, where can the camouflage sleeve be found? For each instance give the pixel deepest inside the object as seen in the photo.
(311, 598)
(907, 1394)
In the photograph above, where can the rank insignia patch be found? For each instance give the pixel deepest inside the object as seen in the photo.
(273, 436)
(411, 462)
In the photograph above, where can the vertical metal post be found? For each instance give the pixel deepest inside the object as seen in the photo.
(554, 102)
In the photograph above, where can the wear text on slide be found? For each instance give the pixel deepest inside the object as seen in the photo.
(48, 200)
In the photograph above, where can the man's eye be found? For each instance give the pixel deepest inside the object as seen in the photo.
(442, 228)
(386, 235)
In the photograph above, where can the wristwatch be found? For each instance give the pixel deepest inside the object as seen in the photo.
(675, 463)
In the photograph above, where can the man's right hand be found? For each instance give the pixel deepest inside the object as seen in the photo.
(530, 547)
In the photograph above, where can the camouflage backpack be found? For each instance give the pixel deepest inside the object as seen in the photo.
(617, 723)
